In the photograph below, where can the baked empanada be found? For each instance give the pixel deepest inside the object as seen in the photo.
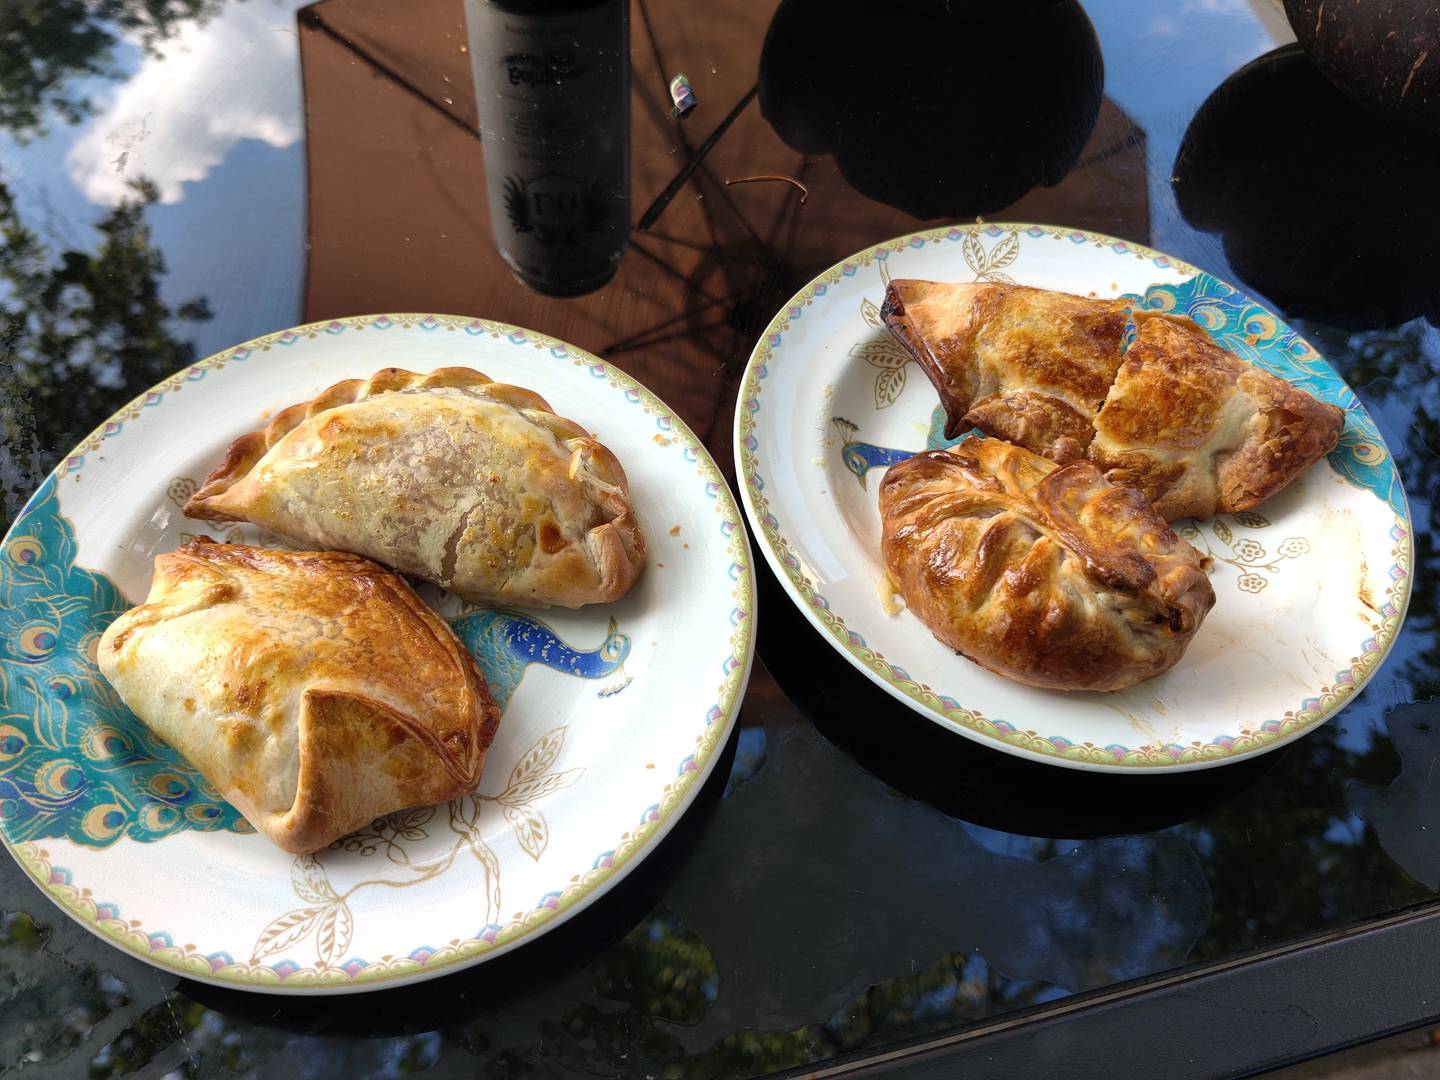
(1027, 365)
(475, 485)
(1199, 430)
(1047, 575)
(313, 689)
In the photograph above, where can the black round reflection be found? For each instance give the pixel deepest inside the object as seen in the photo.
(1325, 206)
(938, 109)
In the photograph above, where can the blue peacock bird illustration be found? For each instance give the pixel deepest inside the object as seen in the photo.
(76, 763)
(505, 643)
(1249, 331)
(860, 457)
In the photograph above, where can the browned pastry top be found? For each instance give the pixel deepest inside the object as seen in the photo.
(313, 689)
(1199, 430)
(450, 476)
(1048, 575)
(1196, 428)
(1027, 365)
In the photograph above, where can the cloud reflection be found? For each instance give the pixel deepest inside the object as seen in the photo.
(180, 113)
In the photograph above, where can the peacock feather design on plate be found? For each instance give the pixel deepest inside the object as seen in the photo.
(76, 763)
(1252, 333)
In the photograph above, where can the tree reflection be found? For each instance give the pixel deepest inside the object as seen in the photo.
(1286, 858)
(666, 978)
(662, 969)
(80, 335)
(46, 45)
(42, 1017)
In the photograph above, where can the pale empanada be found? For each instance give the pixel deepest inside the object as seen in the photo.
(313, 689)
(1199, 430)
(1047, 575)
(466, 482)
(1027, 365)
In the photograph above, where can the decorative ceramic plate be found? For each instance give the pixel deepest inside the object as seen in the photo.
(1311, 585)
(612, 715)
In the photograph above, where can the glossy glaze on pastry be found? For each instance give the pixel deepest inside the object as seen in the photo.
(466, 482)
(1199, 430)
(312, 689)
(1047, 575)
(1027, 365)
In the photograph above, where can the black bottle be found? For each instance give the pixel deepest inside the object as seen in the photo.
(552, 89)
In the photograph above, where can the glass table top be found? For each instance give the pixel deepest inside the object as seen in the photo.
(177, 176)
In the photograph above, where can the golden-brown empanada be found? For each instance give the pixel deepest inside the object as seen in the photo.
(1199, 430)
(466, 482)
(1027, 365)
(1047, 575)
(313, 689)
